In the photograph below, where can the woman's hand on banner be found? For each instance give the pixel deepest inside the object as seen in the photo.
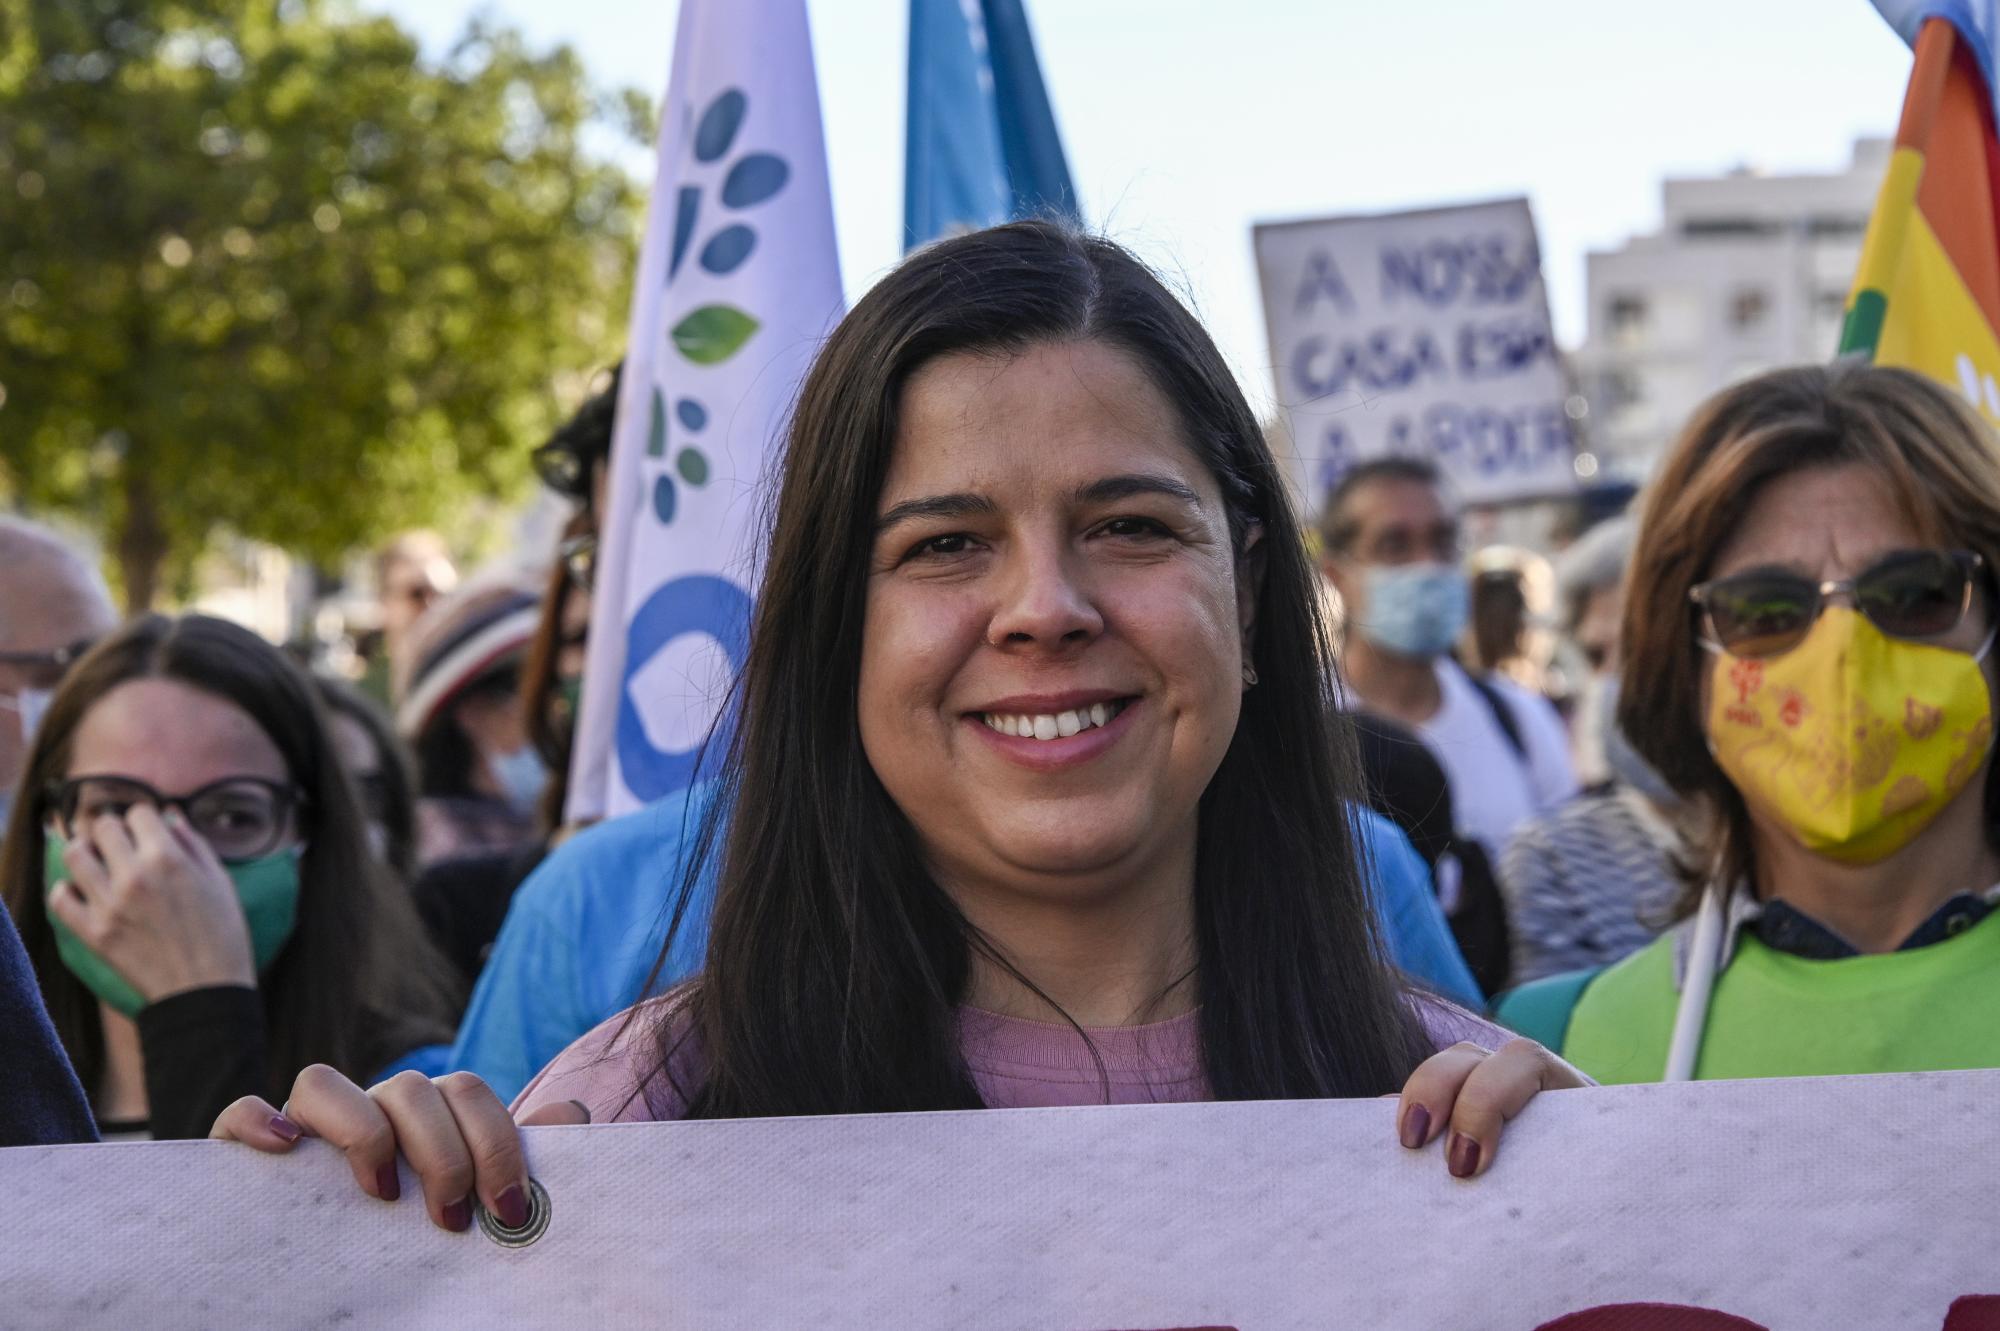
(456, 1135)
(1469, 1094)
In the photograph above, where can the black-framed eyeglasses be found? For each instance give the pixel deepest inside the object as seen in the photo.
(579, 560)
(241, 817)
(53, 660)
(1918, 594)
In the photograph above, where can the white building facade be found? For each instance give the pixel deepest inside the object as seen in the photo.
(1748, 272)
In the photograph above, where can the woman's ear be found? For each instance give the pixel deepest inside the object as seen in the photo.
(1249, 582)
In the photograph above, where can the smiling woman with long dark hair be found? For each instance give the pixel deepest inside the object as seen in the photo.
(1036, 792)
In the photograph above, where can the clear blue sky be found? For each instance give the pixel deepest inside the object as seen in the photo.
(1188, 120)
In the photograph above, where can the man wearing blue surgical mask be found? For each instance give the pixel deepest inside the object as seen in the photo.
(1390, 548)
(52, 606)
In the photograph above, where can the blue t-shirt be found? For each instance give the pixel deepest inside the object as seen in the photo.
(585, 929)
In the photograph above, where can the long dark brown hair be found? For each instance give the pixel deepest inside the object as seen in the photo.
(358, 984)
(836, 964)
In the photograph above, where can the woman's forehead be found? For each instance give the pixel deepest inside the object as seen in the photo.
(1055, 414)
(1828, 522)
(173, 737)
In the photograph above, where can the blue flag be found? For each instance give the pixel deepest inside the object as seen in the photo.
(982, 144)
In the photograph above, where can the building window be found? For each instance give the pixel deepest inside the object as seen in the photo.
(1620, 390)
(1724, 227)
(1625, 312)
(1749, 308)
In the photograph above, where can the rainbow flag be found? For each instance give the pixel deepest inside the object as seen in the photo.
(1927, 294)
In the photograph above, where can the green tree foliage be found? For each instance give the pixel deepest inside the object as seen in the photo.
(265, 269)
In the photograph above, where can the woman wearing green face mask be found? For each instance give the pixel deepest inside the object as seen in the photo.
(1809, 663)
(190, 872)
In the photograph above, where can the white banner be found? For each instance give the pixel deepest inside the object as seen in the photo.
(738, 282)
(1421, 333)
(1793, 1205)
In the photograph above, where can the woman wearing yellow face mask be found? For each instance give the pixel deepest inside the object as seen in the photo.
(1824, 698)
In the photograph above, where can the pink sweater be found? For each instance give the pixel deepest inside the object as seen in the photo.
(1015, 1063)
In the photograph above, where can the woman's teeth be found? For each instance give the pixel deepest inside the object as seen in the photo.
(1053, 725)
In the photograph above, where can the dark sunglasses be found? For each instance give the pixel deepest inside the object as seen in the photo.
(241, 817)
(1906, 594)
(563, 470)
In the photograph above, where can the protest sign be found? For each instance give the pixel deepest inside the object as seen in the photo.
(1863, 1202)
(1423, 334)
(738, 281)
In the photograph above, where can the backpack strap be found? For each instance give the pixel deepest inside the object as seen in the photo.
(1541, 1009)
(1503, 714)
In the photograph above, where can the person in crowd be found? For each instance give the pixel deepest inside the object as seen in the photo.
(1590, 580)
(1596, 879)
(189, 870)
(575, 464)
(1390, 548)
(1499, 622)
(1035, 743)
(1404, 783)
(465, 898)
(1808, 662)
(380, 768)
(53, 605)
(1511, 608)
(411, 572)
(479, 780)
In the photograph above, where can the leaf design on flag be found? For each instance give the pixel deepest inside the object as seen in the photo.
(754, 179)
(693, 415)
(692, 466)
(656, 428)
(663, 499)
(687, 207)
(719, 124)
(727, 249)
(713, 333)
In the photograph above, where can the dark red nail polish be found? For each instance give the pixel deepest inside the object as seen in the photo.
(512, 1207)
(1416, 1127)
(387, 1186)
(1464, 1160)
(458, 1216)
(284, 1127)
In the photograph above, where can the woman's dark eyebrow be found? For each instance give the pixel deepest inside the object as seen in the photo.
(1107, 491)
(1772, 569)
(935, 506)
(1114, 488)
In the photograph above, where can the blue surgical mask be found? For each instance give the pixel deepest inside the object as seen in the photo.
(520, 775)
(1415, 610)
